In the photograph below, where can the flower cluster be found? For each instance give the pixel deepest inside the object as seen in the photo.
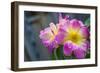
(72, 34)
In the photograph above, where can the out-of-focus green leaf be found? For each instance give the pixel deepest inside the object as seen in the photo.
(53, 56)
(88, 55)
(87, 22)
(58, 54)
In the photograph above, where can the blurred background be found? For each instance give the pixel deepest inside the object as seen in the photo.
(34, 22)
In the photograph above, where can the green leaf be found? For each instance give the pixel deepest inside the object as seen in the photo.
(88, 55)
(57, 53)
(53, 56)
(87, 22)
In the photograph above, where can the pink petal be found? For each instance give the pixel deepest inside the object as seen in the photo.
(85, 46)
(84, 32)
(68, 48)
(46, 34)
(53, 28)
(75, 24)
(50, 45)
(60, 36)
(79, 53)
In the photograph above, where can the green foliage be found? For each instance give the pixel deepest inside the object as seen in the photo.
(87, 22)
(88, 55)
(58, 54)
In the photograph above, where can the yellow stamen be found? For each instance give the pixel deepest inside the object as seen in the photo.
(74, 36)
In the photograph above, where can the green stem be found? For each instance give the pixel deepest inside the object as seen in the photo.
(55, 53)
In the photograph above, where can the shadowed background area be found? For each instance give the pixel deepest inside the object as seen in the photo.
(34, 22)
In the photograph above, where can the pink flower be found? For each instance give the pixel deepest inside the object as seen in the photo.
(52, 36)
(48, 35)
(76, 41)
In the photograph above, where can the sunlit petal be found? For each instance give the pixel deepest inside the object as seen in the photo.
(53, 28)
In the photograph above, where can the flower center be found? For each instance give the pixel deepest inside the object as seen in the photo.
(74, 36)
